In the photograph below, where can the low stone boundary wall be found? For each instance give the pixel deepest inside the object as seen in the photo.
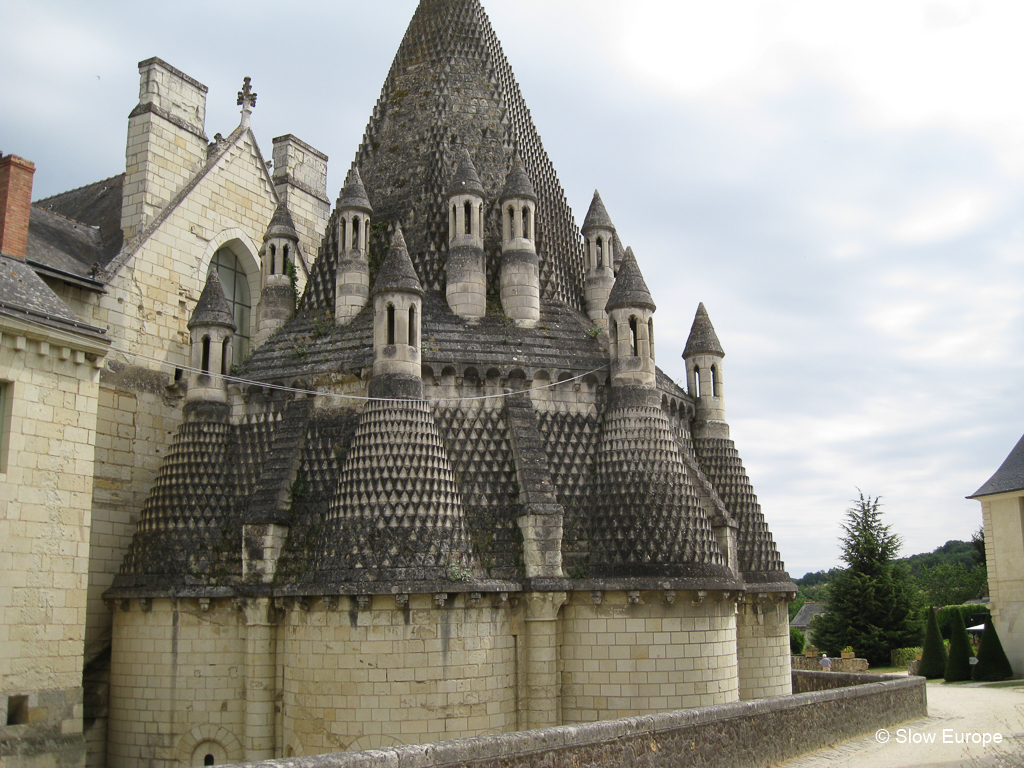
(813, 664)
(742, 735)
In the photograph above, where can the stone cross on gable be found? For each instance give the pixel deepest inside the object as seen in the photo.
(246, 98)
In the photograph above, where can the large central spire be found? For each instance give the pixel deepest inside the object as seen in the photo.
(450, 87)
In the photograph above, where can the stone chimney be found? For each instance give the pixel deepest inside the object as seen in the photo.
(15, 202)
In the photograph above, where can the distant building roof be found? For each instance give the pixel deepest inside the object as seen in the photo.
(1009, 476)
(807, 612)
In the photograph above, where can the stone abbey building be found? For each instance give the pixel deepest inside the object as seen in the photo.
(400, 471)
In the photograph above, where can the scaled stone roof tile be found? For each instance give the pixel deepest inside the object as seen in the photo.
(466, 181)
(597, 215)
(213, 307)
(353, 194)
(518, 184)
(397, 272)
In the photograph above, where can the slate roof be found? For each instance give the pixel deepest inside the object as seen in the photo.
(24, 295)
(807, 612)
(72, 231)
(1009, 476)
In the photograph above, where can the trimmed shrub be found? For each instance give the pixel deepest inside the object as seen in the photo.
(796, 641)
(992, 662)
(958, 662)
(901, 657)
(933, 653)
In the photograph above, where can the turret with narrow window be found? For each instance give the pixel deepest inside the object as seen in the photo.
(703, 355)
(466, 279)
(277, 294)
(397, 313)
(212, 330)
(520, 272)
(352, 235)
(630, 311)
(598, 260)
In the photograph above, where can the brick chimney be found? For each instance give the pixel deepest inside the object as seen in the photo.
(15, 201)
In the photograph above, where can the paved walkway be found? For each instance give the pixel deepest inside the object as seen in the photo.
(932, 742)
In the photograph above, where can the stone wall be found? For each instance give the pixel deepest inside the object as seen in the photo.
(813, 664)
(1003, 515)
(619, 656)
(762, 647)
(50, 383)
(724, 736)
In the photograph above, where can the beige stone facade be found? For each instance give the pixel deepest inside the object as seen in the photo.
(49, 392)
(1003, 516)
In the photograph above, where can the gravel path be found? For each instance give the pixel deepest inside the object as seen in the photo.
(932, 742)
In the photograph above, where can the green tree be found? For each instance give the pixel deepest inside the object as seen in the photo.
(958, 662)
(951, 583)
(992, 662)
(797, 641)
(933, 652)
(870, 602)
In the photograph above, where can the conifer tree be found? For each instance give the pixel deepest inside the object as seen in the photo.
(958, 663)
(992, 662)
(870, 602)
(933, 653)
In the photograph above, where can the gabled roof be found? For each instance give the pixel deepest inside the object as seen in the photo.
(70, 232)
(807, 612)
(1009, 476)
(703, 339)
(24, 296)
(629, 289)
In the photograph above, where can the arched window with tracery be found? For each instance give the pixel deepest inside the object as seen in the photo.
(234, 280)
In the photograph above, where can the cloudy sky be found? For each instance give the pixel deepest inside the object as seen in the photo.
(842, 184)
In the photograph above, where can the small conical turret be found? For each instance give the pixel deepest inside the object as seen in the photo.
(631, 327)
(703, 355)
(397, 312)
(598, 259)
(520, 270)
(352, 235)
(466, 278)
(277, 295)
(212, 329)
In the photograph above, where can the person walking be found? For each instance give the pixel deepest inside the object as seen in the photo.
(826, 662)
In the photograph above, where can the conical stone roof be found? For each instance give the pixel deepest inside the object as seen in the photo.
(466, 180)
(703, 340)
(281, 225)
(629, 290)
(353, 194)
(597, 216)
(213, 308)
(397, 273)
(518, 184)
(450, 87)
